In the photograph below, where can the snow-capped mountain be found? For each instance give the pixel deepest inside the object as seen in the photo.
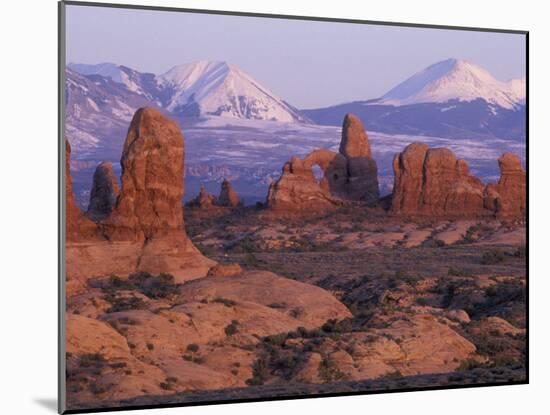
(98, 110)
(455, 79)
(141, 83)
(452, 98)
(222, 89)
(202, 88)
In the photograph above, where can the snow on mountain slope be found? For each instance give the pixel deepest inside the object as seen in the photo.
(519, 88)
(106, 69)
(219, 88)
(140, 83)
(455, 79)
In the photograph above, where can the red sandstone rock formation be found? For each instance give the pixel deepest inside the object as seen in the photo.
(508, 197)
(362, 182)
(152, 179)
(297, 189)
(78, 227)
(104, 192)
(204, 200)
(349, 175)
(434, 182)
(355, 141)
(145, 231)
(228, 196)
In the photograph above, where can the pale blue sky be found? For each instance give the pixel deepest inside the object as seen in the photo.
(309, 64)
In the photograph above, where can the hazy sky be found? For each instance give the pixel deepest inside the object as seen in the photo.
(309, 64)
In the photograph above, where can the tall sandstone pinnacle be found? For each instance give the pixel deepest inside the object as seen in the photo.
(150, 200)
(355, 141)
(204, 199)
(351, 174)
(145, 232)
(362, 169)
(434, 182)
(508, 197)
(104, 192)
(228, 196)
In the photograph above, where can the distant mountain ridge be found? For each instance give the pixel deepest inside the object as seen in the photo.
(449, 99)
(452, 98)
(201, 88)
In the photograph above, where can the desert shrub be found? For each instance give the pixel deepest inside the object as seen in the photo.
(150, 346)
(187, 357)
(166, 386)
(244, 245)
(492, 257)
(329, 372)
(469, 364)
(250, 260)
(335, 326)
(287, 362)
(278, 305)
(260, 372)
(502, 361)
(91, 360)
(119, 303)
(422, 301)
(117, 283)
(232, 328)
(160, 286)
(193, 347)
(521, 251)
(152, 286)
(225, 301)
(97, 389)
(455, 272)
(276, 339)
(200, 360)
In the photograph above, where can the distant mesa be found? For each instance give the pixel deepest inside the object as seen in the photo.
(351, 174)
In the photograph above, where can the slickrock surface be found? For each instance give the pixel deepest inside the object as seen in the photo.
(190, 337)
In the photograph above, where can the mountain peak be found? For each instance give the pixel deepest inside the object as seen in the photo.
(220, 88)
(455, 79)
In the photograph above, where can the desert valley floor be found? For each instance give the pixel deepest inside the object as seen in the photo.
(430, 304)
